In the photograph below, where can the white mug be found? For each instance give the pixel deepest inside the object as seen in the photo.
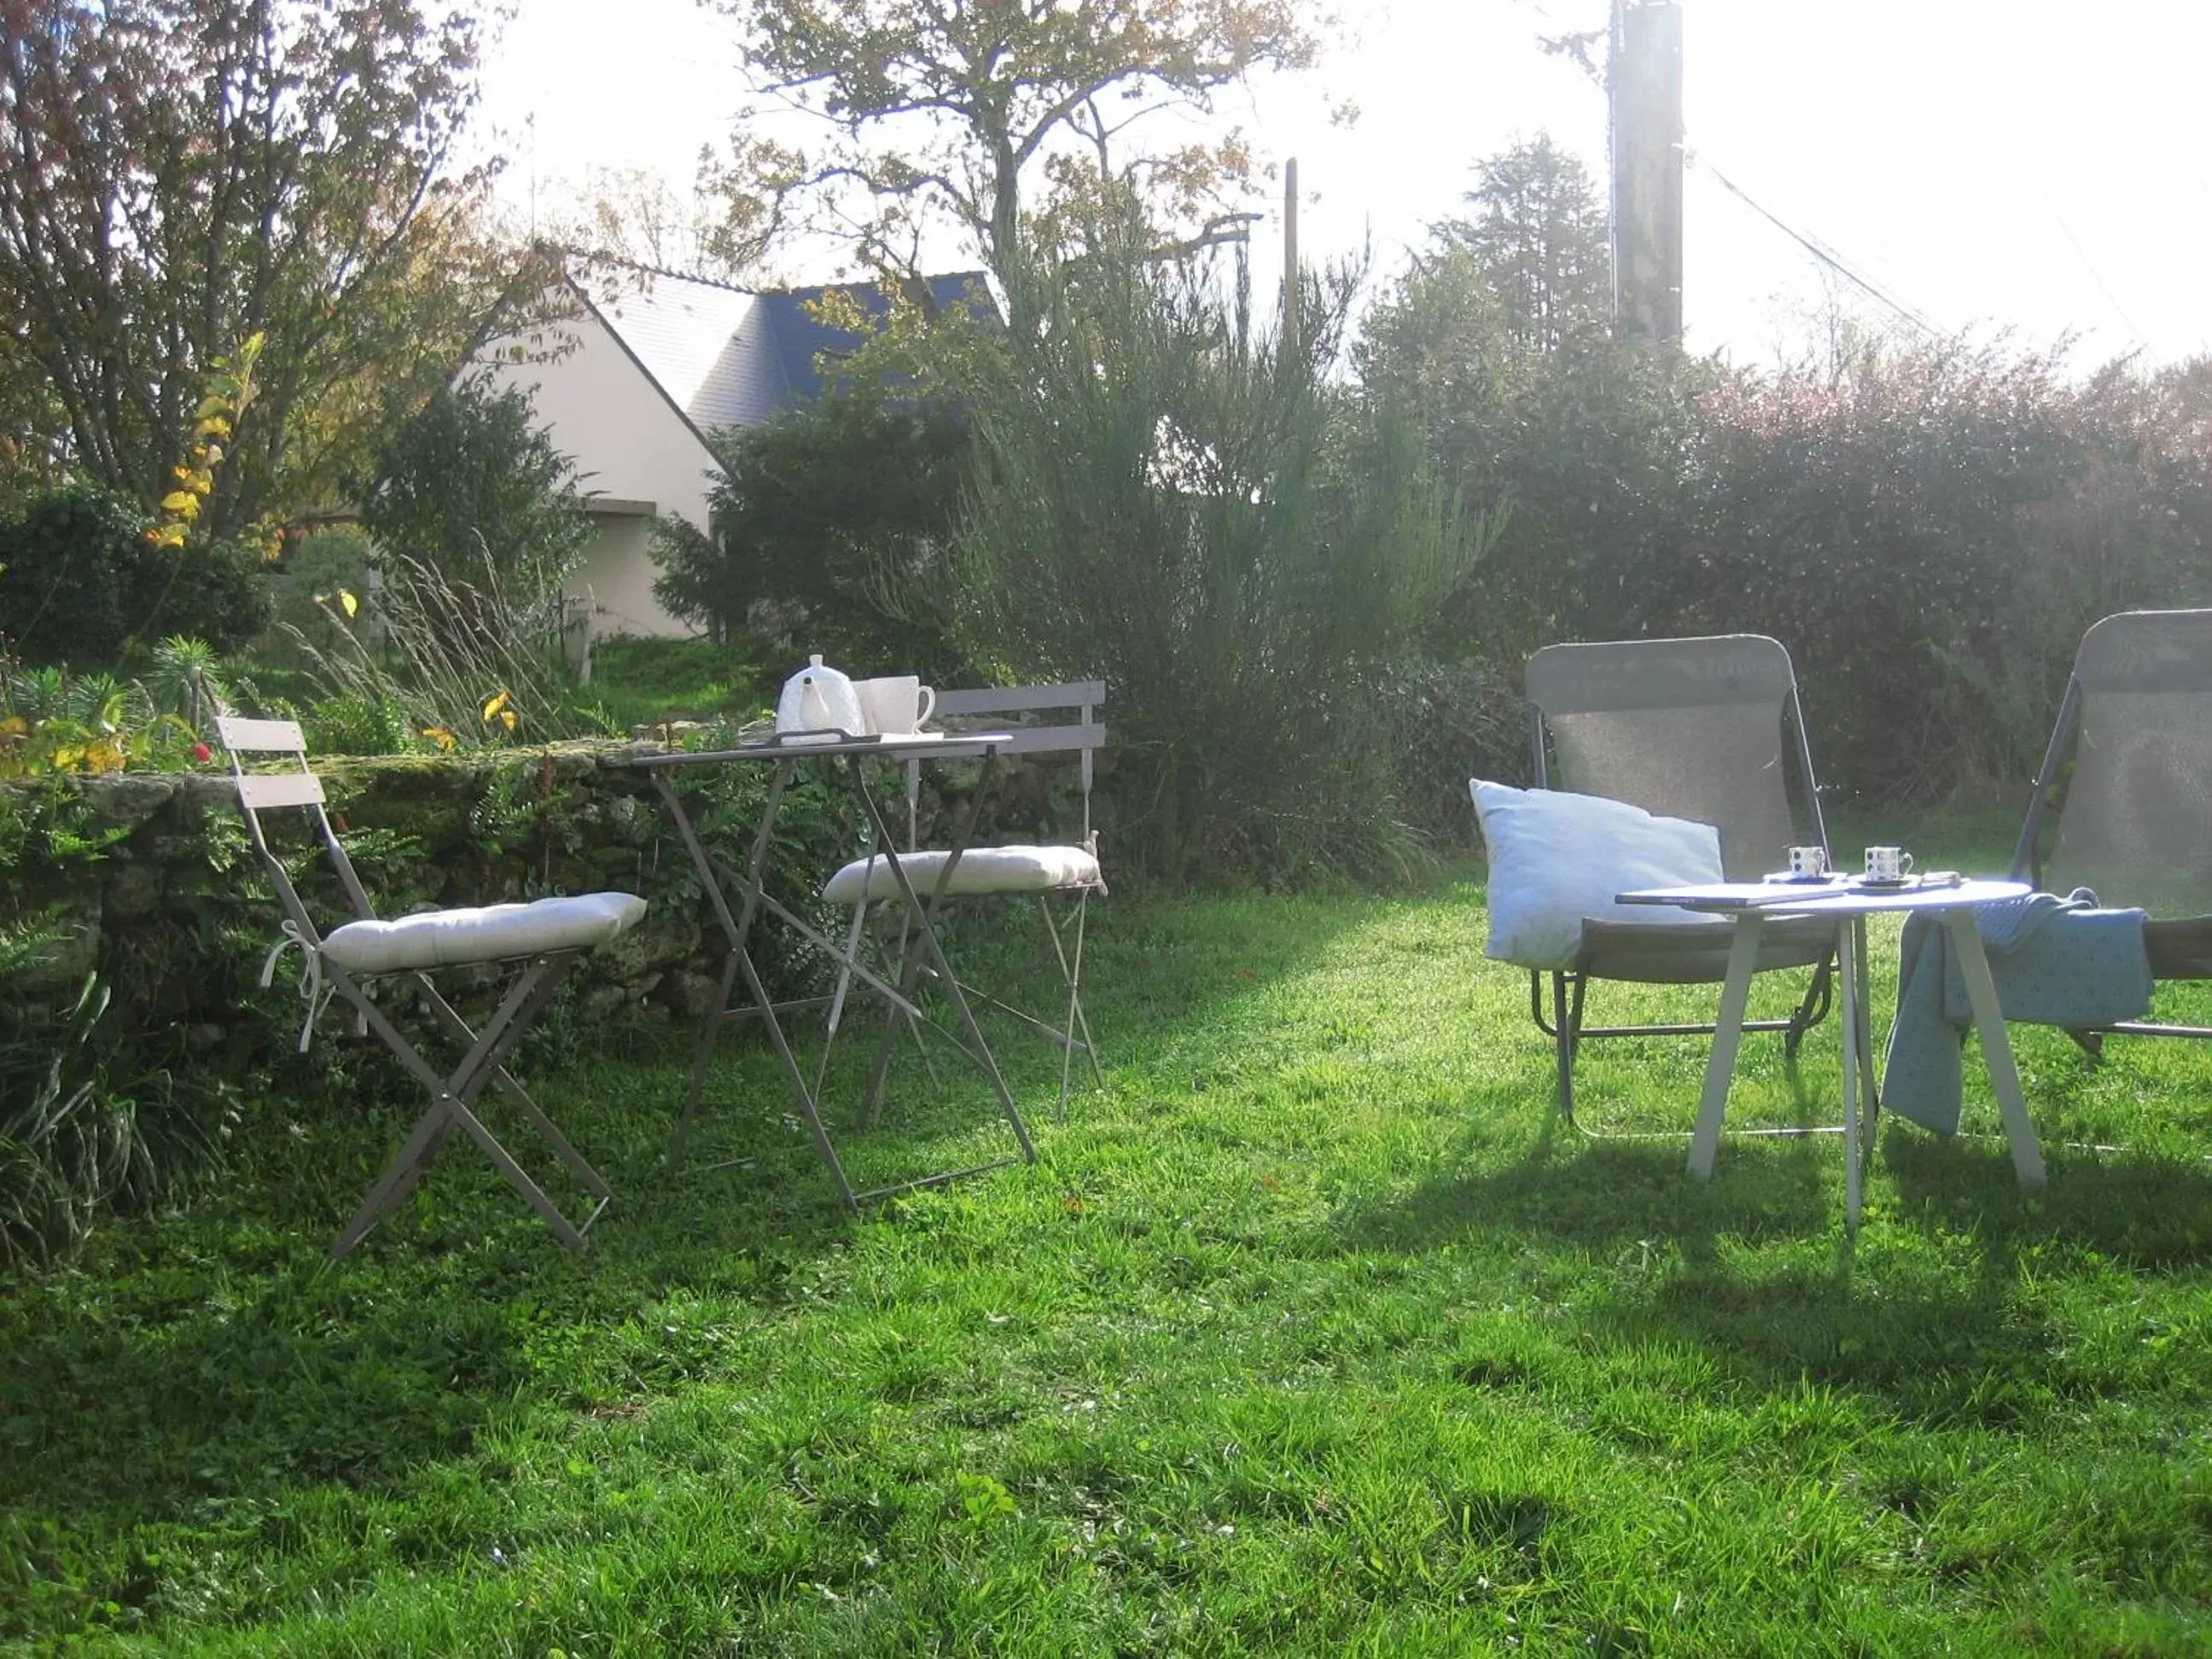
(895, 703)
(1887, 864)
(1809, 861)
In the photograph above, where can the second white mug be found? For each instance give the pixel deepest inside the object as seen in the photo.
(1887, 864)
(895, 703)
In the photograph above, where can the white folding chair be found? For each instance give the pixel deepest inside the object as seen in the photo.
(1068, 873)
(545, 939)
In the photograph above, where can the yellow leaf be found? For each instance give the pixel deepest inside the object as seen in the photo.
(439, 735)
(167, 535)
(178, 500)
(507, 718)
(212, 426)
(497, 702)
(351, 605)
(14, 727)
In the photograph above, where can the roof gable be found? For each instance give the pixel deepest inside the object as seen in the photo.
(728, 358)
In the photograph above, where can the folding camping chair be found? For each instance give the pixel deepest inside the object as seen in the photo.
(544, 940)
(1069, 873)
(1690, 728)
(2136, 824)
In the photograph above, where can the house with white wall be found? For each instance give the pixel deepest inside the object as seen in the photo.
(633, 378)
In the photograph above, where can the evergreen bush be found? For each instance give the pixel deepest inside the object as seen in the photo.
(78, 581)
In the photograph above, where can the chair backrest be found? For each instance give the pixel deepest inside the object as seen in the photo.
(1085, 733)
(258, 791)
(2136, 824)
(1690, 728)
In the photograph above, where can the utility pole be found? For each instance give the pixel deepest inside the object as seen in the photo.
(1291, 257)
(1644, 78)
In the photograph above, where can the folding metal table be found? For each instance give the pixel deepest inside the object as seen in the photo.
(1751, 903)
(739, 896)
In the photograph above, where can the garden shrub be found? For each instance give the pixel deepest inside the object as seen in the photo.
(324, 563)
(1928, 527)
(1930, 531)
(1244, 553)
(358, 723)
(826, 533)
(469, 486)
(78, 580)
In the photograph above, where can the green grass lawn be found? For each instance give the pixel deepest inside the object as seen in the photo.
(639, 681)
(1313, 1330)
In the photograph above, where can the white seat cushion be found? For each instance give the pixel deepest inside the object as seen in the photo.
(1556, 857)
(981, 870)
(497, 932)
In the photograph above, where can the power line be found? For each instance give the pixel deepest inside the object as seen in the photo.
(1818, 249)
(2089, 265)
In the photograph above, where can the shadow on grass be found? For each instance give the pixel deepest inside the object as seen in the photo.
(216, 1362)
(2139, 1209)
(1598, 1192)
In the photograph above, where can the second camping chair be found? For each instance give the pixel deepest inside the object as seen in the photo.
(2136, 725)
(1689, 728)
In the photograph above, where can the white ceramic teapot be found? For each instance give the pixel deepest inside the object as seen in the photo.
(819, 699)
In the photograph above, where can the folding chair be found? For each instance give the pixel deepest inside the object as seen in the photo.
(1068, 873)
(2136, 821)
(545, 939)
(1690, 728)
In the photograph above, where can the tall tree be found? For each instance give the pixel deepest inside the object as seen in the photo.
(952, 109)
(1538, 236)
(179, 175)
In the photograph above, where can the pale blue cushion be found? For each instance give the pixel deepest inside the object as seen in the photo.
(1556, 857)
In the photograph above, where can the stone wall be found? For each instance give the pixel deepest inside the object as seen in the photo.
(149, 880)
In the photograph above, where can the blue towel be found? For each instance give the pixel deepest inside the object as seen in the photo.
(2056, 962)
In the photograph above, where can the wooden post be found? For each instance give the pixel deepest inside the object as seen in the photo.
(1645, 76)
(1291, 257)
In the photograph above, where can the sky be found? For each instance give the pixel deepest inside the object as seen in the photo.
(2026, 166)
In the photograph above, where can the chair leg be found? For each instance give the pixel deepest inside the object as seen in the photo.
(1071, 970)
(453, 1096)
(1566, 1021)
(2091, 1043)
(519, 1098)
(1810, 1011)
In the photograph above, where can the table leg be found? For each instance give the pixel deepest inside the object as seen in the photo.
(1720, 1066)
(1870, 1085)
(1850, 996)
(1997, 1046)
(736, 931)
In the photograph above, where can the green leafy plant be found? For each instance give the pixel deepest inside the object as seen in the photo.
(983, 1499)
(469, 666)
(78, 580)
(469, 486)
(817, 520)
(52, 721)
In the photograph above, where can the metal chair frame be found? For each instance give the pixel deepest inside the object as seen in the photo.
(1084, 737)
(1569, 986)
(483, 1061)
